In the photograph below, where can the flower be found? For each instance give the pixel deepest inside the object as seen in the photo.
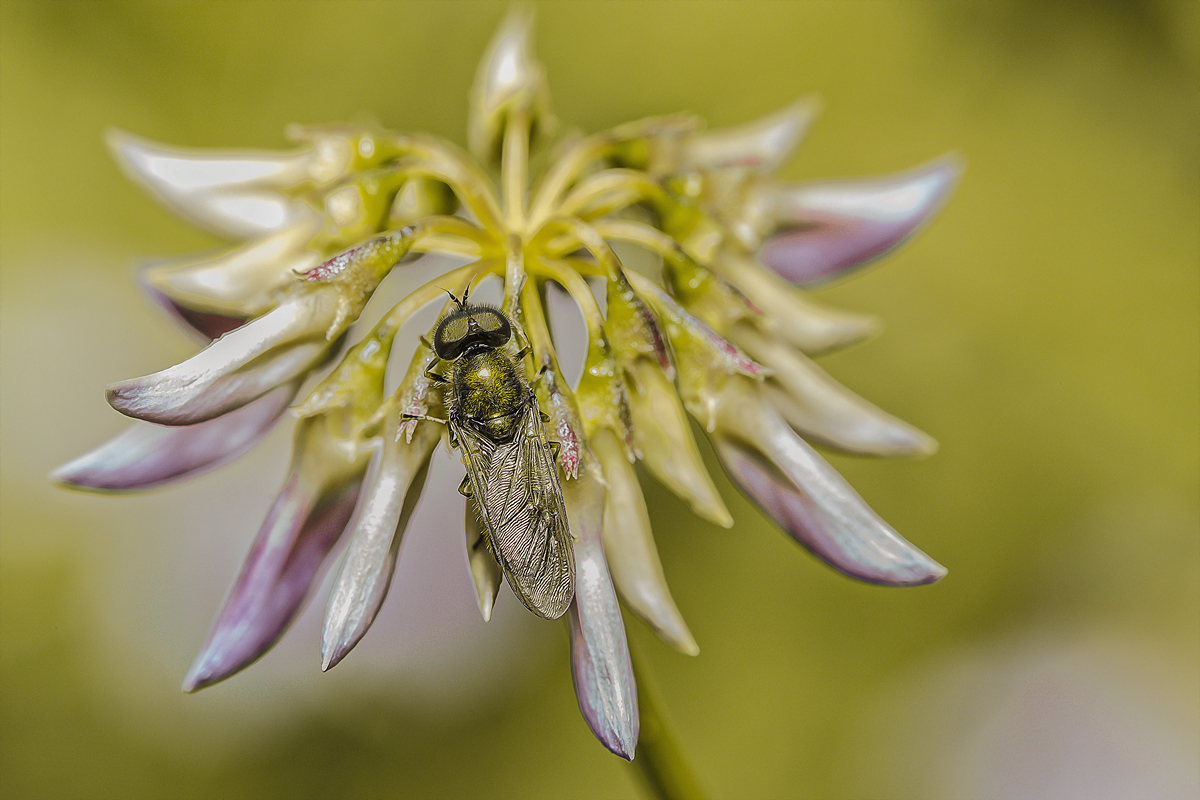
(719, 330)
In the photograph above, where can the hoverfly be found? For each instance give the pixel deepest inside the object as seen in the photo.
(497, 426)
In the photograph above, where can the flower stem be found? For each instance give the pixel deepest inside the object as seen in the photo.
(659, 759)
(514, 168)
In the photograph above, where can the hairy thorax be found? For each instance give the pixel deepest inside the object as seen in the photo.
(489, 393)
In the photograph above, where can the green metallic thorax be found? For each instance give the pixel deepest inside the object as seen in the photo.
(488, 392)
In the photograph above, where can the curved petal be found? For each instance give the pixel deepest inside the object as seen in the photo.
(630, 550)
(145, 455)
(762, 145)
(808, 498)
(229, 193)
(663, 436)
(822, 408)
(284, 563)
(241, 366)
(243, 282)
(789, 312)
(827, 228)
(203, 326)
(600, 664)
(393, 487)
(486, 572)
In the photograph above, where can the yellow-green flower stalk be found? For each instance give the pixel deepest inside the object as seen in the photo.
(718, 329)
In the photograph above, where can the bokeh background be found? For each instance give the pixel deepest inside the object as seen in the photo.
(1044, 328)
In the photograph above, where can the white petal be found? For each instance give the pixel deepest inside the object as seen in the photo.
(762, 145)
(828, 228)
(393, 485)
(243, 281)
(820, 407)
(273, 349)
(144, 455)
(601, 668)
(807, 497)
(229, 193)
(630, 550)
(486, 573)
(790, 313)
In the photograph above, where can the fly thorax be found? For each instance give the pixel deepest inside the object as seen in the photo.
(488, 391)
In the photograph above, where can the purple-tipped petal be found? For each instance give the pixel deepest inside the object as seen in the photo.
(284, 563)
(600, 664)
(827, 228)
(229, 193)
(145, 455)
(807, 497)
(234, 370)
(393, 487)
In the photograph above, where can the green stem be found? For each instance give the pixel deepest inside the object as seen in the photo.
(514, 168)
(659, 759)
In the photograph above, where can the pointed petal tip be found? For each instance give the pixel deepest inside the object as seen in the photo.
(331, 655)
(194, 681)
(825, 229)
(717, 514)
(78, 475)
(208, 669)
(925, 447)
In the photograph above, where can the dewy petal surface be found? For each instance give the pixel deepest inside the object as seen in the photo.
(807, 497)
(227, 193)
(630, 550)
(600, 664)
(827, 228)
(301, 529)
(146, 455)
(392, 489)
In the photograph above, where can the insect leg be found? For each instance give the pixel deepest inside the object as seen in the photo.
(422, 416)
(435, 377)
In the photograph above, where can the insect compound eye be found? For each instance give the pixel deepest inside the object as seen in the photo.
(450, 338)
(493, 327)
(467, 326)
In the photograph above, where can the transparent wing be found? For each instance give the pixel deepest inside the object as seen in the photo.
(515, 486)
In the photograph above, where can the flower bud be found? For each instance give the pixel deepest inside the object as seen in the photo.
(509, 81)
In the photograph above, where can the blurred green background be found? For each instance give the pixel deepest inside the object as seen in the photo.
(1044, 328)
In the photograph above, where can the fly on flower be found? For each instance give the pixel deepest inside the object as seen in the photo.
(715, 325)
(511, 478)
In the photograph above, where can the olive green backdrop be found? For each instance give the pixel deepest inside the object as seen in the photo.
(1044, 328)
